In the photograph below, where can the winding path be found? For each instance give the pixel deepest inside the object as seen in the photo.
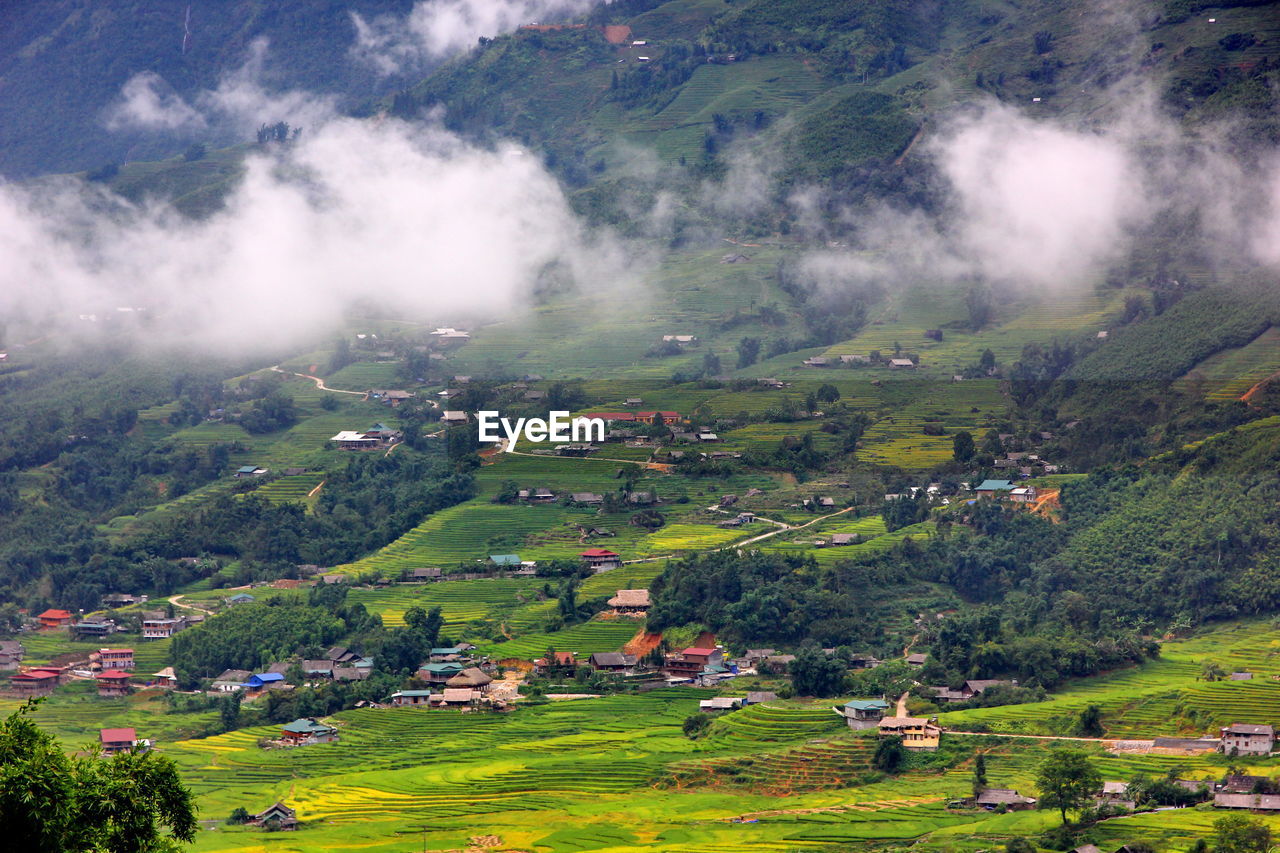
(316, 379)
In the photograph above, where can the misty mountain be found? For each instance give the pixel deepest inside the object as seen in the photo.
(64, 63)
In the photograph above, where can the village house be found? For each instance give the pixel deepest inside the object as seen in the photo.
(564, 663)
(245, 471)
(411, 698)
(680, 340)
(587, 498)
(446, 654)
(54, 619)
(600, 559)
(348, 439)
(277, 816)
(512, 561)
(120, 599)
(317, 668)
(117, 740)
(916, 659)
(35, 682)
(1252, 802)
(307, 730)
(453, 417)
(690, 662)
(439, 673)
(423, 575)
(992, 798)
(230, 681)
(630, 602)
(114, 683)
(264, 681)
(1115, 794)
(899, 363)
(611, 661)
(241, 598)
(456, 697)
(1241, 783)
(863, 713)
(88, 630)
(1023, 494)
(1247, 739)
(165, 678)
(659, 418)
(993, 488)
(390, 397)
(11, 654)
(342, 654)
(159, 629)
(121, 659)
(916, 732)
(759, 697)
(816, 361)
(721, 703)
(1240, 676)
(776, 664)
(472, 677)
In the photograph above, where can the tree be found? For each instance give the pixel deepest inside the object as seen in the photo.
(987, 360)
(695, 725)
(710, 364)
(962, 447)
(239, 815)
(1067, 781)
(748, 351)
(1090, 722)
(1240, 834)
(120, 804)
(1211, 671)
(978, 300)
(890, 755)
(816, 674)
(229, 711)
(1019, 845)
(979, 774)
(828, 393)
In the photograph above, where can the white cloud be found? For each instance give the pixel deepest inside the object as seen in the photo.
(1037, 203)
(239, 104)
(439, 28)
(148, 103)
(410, 217)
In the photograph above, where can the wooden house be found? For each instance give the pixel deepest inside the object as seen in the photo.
(276, 816)
(117, 740)
(993, 798)
(863, 713)
(55, 619)
(917, 733)
(611, 661)
(630, 602)
(113, 683)
(35, 682)
(411, 698)
(472, 677)
(690, 662)
(307, 730)
(600, 559)
(439, 673)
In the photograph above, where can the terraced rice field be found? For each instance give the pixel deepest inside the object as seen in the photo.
(1228, 375)
(460, 602)
(598, 635)
(293, 488)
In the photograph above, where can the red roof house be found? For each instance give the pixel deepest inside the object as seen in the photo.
(55, 618)
(35, 682)
(600, 558)
(113, 682)
(117, 740)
